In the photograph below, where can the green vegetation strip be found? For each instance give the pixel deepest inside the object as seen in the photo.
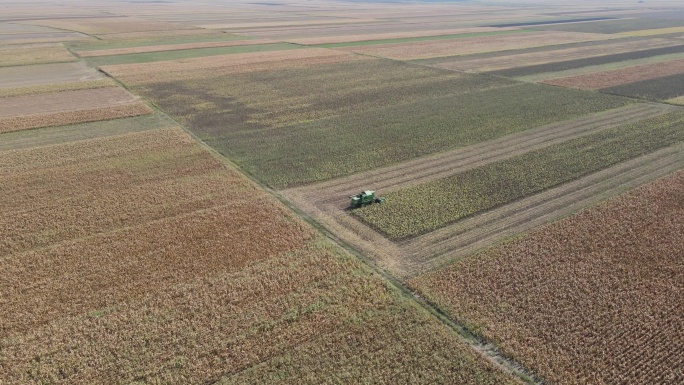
(429, 206)
(420, 38)
(187, 54)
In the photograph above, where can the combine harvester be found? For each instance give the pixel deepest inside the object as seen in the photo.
(365, 198)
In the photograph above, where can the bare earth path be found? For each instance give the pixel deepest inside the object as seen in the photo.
(326, 202)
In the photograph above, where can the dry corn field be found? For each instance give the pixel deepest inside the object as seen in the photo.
(141, 257)
(34, 54)
(620, 76)
(57, 87)
(595, 298)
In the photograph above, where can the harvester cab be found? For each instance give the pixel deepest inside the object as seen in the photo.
(365, 198)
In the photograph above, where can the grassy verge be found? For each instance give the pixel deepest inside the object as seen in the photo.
(426, 207)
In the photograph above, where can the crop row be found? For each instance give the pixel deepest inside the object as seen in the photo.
(426, 207)
(594, 298)
(592, 61)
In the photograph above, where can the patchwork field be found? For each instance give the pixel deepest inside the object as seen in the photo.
(176, 183)
(594, 297)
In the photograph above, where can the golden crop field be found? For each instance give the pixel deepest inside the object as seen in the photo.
(177, 181)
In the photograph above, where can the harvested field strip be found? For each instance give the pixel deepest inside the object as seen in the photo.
(82, 131)
(614, 26)
(46, 74)
(545, 57)
(163, 38)
(621, 76)
(34, 54)
(424, 50)
(652, 32)
(539, 78)
(335, 147)
(421, 38)
(282, 309)
(137, 74)
(59, 87)
(678, 101)
(104, 25)
(448, 163)
(187, 54)
(26, 122)
(430, 251)
(597, 60)
(171, 47)
(388, 35)
(502, 182)
(549, 22)
(602, 288)
(64, 101)
(662, 88)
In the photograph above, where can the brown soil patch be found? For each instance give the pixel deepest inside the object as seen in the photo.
(326, 202)
(64, 101)
(595, 296)
(620, 76)
(465, 46)
(34, 54)
(135, 74)
(534, 58)
(25, 122)
(171, 47)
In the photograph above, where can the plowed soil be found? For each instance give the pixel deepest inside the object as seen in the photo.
(620, 76)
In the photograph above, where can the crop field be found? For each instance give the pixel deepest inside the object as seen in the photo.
(176, 182)
(615, 26)
(506, 61)
(662, 88)
(430, 49)
(171, 47)
(34, 54)
(498, 183)
(130, 289)
(591, 61)
(594, 298)
(45, 74)
(303, 122)
(621, 76)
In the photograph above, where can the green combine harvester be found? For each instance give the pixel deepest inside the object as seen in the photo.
(365, 198)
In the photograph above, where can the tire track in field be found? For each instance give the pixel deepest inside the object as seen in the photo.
(326, 202)
(432, 250)
(448, 163)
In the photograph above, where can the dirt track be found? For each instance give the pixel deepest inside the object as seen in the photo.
(325, 202)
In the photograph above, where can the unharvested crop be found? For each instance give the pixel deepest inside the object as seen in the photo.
(25, 122)
(432, 205)
(32, 54)
(595, 298)
(661, 88)
(58, 87)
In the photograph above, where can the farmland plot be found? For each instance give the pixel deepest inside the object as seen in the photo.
(593, 298)
(34, 54)
(615, 26)
(333, 120)
(104, 25)
(141, 257)
(661, 88)
(45, 74)
(501, 182)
